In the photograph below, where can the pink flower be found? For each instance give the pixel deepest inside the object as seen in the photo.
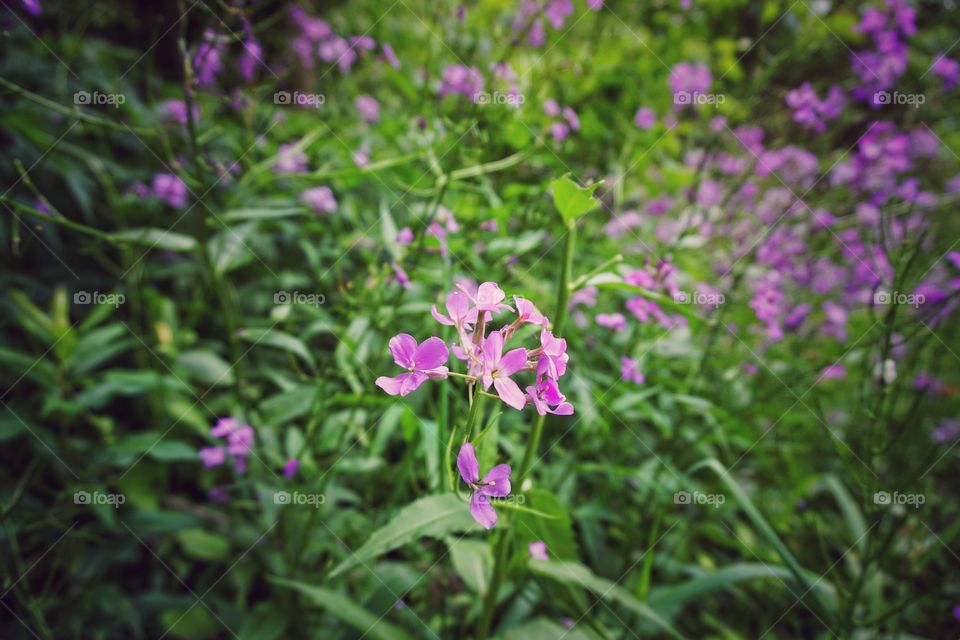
(290, 468)
(488, 297)
(171, 189)
(495, 484)
(497, 369)
(528, 313)
(630, 370)
(421, 361)
(461, 314)
(538, 549)
(404, 236)
(614, 321)
(368, 107)
(645, 118)
(547, 394)
(320, 199)
(390, 56)
(213, 456)
(553, 356)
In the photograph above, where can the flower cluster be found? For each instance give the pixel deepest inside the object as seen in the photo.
(470, 311)
(239, 439)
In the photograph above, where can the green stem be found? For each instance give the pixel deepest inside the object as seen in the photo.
(533, 443)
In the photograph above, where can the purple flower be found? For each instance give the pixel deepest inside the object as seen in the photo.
(630, 370)
(613, 321)
(947, 431)
(538, 549)
(686, 79)
(947, 69)
(557, 11)
(252, 53)
(466, 81)
(320, 199)
(368, 107)
(595, 5)
(546, 395)
(422, 361)
(488, 297)
(171, 189)
(495, 484)
(291, 467)
(390, 56)
(404, 236)
(32, 7)
(290, 160)
(497, 369)
(207, 63)
(213, 456)
(645, 118)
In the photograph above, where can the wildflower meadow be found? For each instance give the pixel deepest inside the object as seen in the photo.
(513, 319)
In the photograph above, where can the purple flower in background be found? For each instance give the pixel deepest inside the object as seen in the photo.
(368, 107)
(320, 199)
(571, 117)
(171, 189)
(213, 456)
(495, 484)
(32, 7)
(645, 118)
(833, 372)
(551, 108)
(291, 467)
(947, 431)
(252, 56)
(559, 131)
(390, 56)
(404, 236)
(290, 160)
(557, 11)
(538, 549)
(207, 63)
(613, 321)
(422, 361)
(459, 79)
(686, 79)
(630, 370)
(176, 111)
(947, 69)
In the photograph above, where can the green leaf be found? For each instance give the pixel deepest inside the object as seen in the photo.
(261, 213)
(575, 574)
(473, 560)
(156, 239)
(206, 367)
(203, 545)
(555, 532)
(572, 200)
(279, 340)
(433, 516)
(172, 451)
(347, 610)
(542, 629)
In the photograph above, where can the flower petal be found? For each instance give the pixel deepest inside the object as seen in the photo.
(513, 362)
(500, 477)
(467, 464)
(403, 347)
(482, 511)
(411, 381)
(431, 353)
(439, 317)
(510, 393)
(390, 385)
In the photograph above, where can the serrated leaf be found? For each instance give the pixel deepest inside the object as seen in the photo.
(433, 517)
